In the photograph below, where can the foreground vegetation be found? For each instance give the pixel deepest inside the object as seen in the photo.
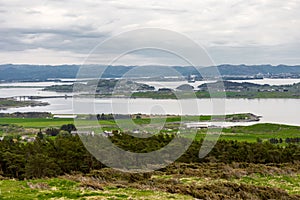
(64, 187)
(56, 165)
(177, 181)
(66, 153)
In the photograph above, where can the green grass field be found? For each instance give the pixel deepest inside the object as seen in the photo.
(63, 188)
(253, 132)
(36, 123)
(60, 188)
(263, 131)
(239, 133)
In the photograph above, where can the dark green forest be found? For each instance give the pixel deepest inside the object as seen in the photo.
(65, 154)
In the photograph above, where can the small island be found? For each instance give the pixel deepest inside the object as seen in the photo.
(103, 87)
(228, 89)
(220, 89)
(6, 103)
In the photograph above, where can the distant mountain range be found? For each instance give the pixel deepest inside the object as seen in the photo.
(11, 72)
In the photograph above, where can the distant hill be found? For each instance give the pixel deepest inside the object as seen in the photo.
(246, 70)
(44, 72)
(36, 73)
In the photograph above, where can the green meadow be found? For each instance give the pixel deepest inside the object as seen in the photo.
(84, 188)
(253, 133)
(61, 188)
(36, 122)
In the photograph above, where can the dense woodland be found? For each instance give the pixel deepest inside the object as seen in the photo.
(65, 153)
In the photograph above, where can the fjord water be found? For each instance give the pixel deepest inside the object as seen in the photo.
(28, 89)
(174, 84)
(283, 111)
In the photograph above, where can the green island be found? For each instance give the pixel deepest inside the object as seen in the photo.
(43, 157)
(103, 86)
(222, 89)
(219, 89)
(6, 103)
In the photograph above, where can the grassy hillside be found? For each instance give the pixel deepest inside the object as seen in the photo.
(178, 181)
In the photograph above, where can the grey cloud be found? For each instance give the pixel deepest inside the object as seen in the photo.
(233, 31)
(150, 8)
(282, 54)
(80, 39)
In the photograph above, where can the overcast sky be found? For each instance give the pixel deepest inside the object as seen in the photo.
(232, 31)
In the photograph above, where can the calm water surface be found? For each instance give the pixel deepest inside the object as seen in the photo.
(285, 111)
(175, 84)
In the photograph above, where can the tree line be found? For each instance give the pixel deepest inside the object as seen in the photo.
(64, 154)
(286, 140)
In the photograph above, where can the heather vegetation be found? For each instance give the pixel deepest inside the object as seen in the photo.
(245, 163)
(232, 170)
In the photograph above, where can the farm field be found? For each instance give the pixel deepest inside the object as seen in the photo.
(44, 122)
(35, 122)
(253, 133)
(171, 124)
